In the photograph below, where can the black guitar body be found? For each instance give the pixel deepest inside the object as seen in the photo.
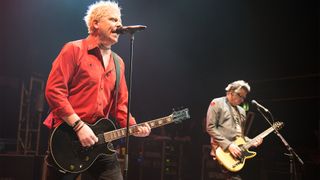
(69, 154)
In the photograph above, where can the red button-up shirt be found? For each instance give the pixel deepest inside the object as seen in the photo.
(79, 83)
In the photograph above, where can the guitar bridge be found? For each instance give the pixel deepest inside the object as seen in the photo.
(236, 164)
(240, 161)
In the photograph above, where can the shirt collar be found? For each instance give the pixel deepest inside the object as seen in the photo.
(91, 42)
(92, 46)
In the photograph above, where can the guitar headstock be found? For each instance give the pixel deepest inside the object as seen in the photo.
(179, 116)
(278, 125)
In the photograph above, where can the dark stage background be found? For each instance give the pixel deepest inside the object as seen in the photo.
(187, 55)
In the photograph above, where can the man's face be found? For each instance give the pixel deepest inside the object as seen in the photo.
(106, 27)
(238, 96)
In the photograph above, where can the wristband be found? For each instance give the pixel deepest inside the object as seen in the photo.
(76, 123)
(80, 127)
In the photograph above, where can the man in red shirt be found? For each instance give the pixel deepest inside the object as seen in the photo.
(81, 86)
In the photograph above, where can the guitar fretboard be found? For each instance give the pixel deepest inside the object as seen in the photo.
(120, 133)
(262, 135)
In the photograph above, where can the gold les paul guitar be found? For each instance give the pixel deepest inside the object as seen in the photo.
(236, 164)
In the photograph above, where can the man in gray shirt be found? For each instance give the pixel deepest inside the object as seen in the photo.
(226, 120)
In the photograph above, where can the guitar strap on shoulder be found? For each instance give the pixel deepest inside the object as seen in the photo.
(117, 65)
(237, 122)
(115, 94)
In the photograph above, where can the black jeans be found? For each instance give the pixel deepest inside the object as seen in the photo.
(228, 175)
(106, 167)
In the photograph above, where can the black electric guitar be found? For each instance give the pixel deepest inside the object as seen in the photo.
(235, 164)
(72, 157)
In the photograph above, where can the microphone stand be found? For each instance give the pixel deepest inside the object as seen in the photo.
(126, 156)
(291, 154)
(130, 30)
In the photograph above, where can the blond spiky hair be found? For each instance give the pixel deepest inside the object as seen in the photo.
(98, 10)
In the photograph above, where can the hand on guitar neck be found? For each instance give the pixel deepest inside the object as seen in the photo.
(143, 130)
(257, 141)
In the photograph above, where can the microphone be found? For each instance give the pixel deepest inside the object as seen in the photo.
(129, 29)
(259, 105)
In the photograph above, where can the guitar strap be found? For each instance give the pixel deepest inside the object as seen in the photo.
(117, 65)
(115, 93)
(237, 122)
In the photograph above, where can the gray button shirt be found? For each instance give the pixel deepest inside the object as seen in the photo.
(221, 123)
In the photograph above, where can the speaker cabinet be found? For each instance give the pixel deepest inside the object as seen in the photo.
(15, 167)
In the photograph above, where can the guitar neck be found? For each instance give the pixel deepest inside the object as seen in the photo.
(261, 135)
(120, 133)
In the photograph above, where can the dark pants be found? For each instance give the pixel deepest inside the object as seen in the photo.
(230, 175)
(223, 173)
(104, 168)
